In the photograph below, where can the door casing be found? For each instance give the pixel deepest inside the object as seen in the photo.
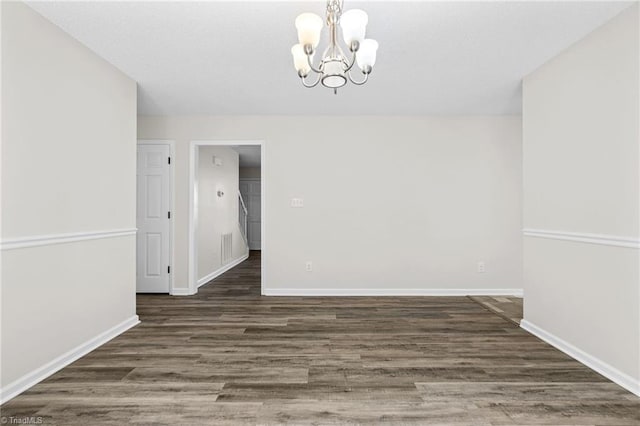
(193, 208)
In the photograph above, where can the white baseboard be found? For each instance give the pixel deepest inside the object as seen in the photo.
(202, 281)
(182, 292)
(28, 380)
(517, 292)
(608, 371)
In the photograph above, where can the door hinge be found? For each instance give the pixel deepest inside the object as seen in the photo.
(168, 269)
(168, 160)
(168, 215)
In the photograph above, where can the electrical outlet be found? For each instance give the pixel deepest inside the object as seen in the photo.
(297, 202)
(481, 266)
(308, 266)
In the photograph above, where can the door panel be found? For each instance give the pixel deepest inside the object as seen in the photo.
(153, 255)
(254, 214)
(154, 196)
(153, 250)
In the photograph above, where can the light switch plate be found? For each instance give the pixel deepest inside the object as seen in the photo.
(297, 202)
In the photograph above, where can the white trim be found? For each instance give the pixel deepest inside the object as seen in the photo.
(172, 202)
(193, 203)
(28, 380)
(517, 292)
(192, 253)
(581, 237)
(181, 292)
(610, 372)
(202, 281)
(72, 237)
(263, 211)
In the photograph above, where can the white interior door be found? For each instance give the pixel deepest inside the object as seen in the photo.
(153, 249)
(251, 194)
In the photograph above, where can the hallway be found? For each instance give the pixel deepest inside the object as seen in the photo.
(230, 356)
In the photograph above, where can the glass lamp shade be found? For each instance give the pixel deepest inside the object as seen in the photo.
(333, 74)
(366, 56)
(354, 25)
(300, 61)
(309, 26)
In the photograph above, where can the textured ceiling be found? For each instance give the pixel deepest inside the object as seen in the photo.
(233, 57)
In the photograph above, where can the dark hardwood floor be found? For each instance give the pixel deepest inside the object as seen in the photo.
(230, 356)
(509, 308)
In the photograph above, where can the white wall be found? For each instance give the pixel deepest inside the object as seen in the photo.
(217, 215)
(581, 175)
(392, 204)
(68, 167)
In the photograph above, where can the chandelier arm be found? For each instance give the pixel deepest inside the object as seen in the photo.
(350, 64)
(314, 69)
(358, 83)
(305, 84)
(347, 64)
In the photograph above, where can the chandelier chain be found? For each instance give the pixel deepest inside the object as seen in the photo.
(334, 10)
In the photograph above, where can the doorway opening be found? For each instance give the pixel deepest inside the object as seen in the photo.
(226, 207)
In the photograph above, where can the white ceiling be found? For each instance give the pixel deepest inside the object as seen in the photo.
(234, 57)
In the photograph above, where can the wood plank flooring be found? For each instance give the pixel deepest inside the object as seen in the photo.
(230, 356)
(509, 308)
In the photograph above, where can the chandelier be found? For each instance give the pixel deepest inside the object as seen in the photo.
(335, 67)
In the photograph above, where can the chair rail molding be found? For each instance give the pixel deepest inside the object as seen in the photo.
(583, 237)
(50, 239)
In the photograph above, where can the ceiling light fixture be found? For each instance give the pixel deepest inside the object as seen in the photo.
(335, 68)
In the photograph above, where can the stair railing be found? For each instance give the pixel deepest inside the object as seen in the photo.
(242, 218)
